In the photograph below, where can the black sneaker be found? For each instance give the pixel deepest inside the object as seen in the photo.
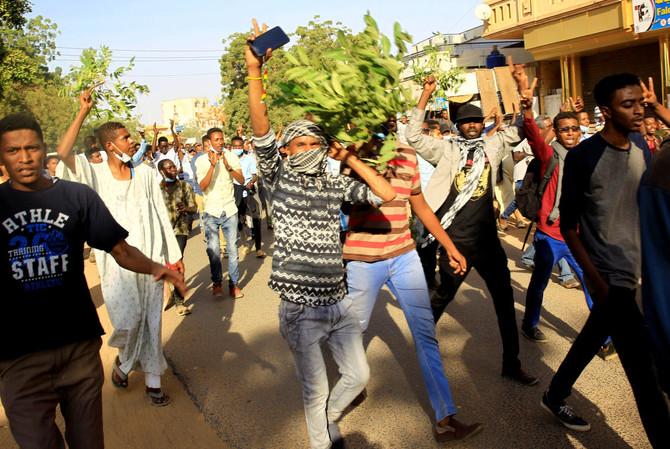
(608, 352)
(534, 334)
(565, 415)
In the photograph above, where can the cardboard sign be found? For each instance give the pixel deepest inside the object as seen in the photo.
(488, 93)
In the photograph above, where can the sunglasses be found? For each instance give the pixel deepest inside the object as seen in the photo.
(565, 129)
(425, 130)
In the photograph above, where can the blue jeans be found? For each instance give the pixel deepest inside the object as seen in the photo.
(228, 226)
(564, 272)
(305, 330)
(512, 206)
(548, 251)
(404, 276)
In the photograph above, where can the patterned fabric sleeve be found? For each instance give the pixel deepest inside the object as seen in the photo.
(268, 157)
(357, 192)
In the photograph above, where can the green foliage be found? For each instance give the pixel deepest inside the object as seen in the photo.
(27, 52)
(13, 12)
(115, 99)
(26, 85)
(447, 79)
(354, 85)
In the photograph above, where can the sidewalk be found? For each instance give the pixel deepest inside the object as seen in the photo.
(130, 422)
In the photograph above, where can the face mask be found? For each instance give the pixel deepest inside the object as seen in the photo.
(310, 162)
(169, 180)
(584, 129)
(123, 157)
(238, 151)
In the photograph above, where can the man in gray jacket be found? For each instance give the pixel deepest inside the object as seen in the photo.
(460, 192)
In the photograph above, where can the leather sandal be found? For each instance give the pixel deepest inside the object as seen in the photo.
(119, 378)
(157, 397)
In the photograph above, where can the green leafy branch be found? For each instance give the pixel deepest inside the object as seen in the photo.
(432, 64)
(351, 89)
(113, 99)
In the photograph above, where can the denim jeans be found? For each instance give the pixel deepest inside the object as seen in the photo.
(228, 226)
(564, 272)
(620, 317)
(404, 276)
(305, 330)
(512, 206)
(548, 251)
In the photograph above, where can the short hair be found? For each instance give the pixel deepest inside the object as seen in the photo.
(540, 119)
(15, 122)
(205, 137)
(563, 116)
(162, 139)
(89, 141)
(90, 151)
(604, 90)
(211, 131)
(49, 157)
(433, 124)
(162, 162)
(237, 138)
(107, 132)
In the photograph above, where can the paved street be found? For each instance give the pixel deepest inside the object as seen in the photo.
(234, 384)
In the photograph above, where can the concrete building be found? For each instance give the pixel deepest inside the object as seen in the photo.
(578, 42)
(468, 51)
(183, 110)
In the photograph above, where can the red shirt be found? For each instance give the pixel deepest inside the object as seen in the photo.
(544, 153)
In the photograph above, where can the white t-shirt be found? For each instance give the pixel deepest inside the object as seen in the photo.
(219, 197)
(521, 166)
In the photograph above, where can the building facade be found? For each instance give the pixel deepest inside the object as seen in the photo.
(578, 42)
(183, 110)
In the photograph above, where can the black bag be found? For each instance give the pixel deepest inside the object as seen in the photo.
(529, 196)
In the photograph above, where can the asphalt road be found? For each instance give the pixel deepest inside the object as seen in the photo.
(235, 386)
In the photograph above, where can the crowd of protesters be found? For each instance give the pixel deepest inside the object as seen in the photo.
(603, 208)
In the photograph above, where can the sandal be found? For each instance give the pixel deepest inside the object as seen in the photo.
(119, 378)
(157, 397)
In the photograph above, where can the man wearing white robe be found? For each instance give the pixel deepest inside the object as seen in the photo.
(133, 196)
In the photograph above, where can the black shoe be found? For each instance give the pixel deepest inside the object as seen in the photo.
(534, 334)
(521, 376)
(565, 415)
(607, 352)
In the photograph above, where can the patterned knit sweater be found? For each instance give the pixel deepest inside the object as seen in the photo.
(307, 263)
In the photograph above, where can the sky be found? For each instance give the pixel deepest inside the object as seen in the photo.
(177, 44)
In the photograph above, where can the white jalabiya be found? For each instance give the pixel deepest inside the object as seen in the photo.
(134, 301)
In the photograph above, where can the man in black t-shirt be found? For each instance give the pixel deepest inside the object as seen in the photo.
(460, 191)
(51, 338)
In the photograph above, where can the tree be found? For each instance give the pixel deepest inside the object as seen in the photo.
(12, 17)
(115, 99)
(27, 52)
(27, 86)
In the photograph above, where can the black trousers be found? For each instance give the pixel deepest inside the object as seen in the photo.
(487, 256)
(181, 240)
(620, 318)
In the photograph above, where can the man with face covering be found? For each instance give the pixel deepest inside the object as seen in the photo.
(460, 192)
(307, 269)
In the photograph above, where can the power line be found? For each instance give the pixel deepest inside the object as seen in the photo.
(146, 51)
(464, 15)
(185, 74)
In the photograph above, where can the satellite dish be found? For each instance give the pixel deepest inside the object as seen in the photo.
(483, 12)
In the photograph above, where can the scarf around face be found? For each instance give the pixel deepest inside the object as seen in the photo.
(471, 182)
(311, 162)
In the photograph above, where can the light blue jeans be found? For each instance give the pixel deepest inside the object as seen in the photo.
(404, 276)
(564, 272)
(228, 226)
(306, 329)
